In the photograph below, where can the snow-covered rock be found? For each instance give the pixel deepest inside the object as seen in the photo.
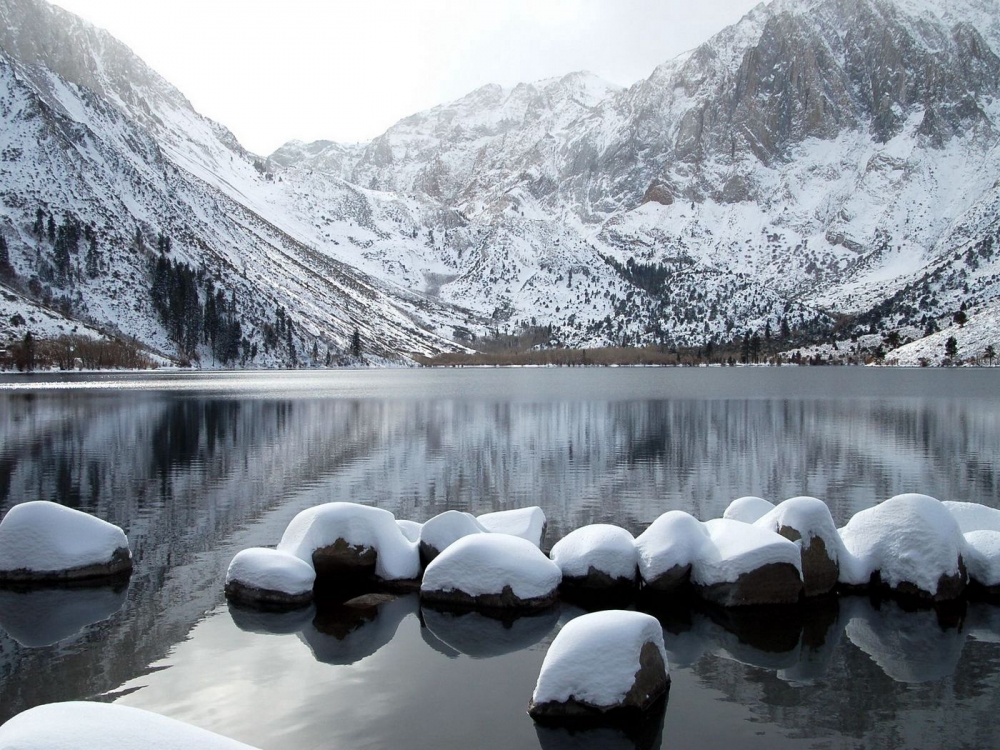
(80, 725)
(909, 543)
(807, 522)
(746, 565)
(982, 558)
(269, 576)
(973, 516)
(599, 556)
(602, 663)
(668, 548)
(492, 571)
(43, 541)
(350, 540)
(748, 509)
(527, 523)
(443, 530)
(410, 529)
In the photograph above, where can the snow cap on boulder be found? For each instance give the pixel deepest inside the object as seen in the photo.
(597, 556)
(347, 539)
(982, 558)
(807, 522)
(748, 509)
(443, 530)
(600, 664)
(267, 576)
(492, 571)
(912, 542)
(43, 541)
(745, 565)
(973, 516)
(526, 523)
(668, 548)
(410, 529)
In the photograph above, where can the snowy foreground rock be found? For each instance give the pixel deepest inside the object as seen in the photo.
(600, 665)
(268, 576)
(807, 522)
(597, 557)
(494, 571)
(99, 726)
(729, 562)
(46, 542)
(345, 540)
(911, 544)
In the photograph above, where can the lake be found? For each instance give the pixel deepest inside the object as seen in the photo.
(196, 467)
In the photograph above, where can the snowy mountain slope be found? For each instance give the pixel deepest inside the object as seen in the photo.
(816, 159)
(120, 152)
(825, 151)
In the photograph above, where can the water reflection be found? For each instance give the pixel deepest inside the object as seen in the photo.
(45, 616)
(193, 477)
(483, 637)
(645, 733)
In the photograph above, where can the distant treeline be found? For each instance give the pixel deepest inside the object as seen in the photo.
(73, 353)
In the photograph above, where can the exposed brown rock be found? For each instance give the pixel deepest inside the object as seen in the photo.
(504, 600)
(774, 583)
(255, 597)
(820, 573)
(670, 581)
(343, 560)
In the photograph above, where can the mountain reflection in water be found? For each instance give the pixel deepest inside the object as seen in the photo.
(195, 474)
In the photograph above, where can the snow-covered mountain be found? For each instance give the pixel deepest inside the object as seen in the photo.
(819, 159)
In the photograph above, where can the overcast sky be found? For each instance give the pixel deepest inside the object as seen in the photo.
(346, 71)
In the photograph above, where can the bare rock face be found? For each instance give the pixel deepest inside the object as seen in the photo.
(819, 570)
(774, 583)
(598, 581)
(342, 559)
(255, 596)
(673, 580)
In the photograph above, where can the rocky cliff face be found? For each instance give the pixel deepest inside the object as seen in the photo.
(815, 159)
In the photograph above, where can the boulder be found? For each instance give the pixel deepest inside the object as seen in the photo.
(410, 529)
(748, 509)
(345, 542)
(264, 576)
(597, 557)
(601, 665)
(527, 523)
(982, 556)
(667, 550)
(444, 529)
(910, 544)
(746, 565)
(492, 571)
(807, 522)
(43, 542)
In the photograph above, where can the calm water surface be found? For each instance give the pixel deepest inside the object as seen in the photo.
(197, 467)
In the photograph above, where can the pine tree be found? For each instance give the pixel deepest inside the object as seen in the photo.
(38, 228)
(990, 354)
(93, 260)
(6, 269)
(52, 229)
(951, 347)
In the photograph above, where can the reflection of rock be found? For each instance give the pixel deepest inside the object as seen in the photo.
(482, 637)
(644, 732)
(796, 642)
(909, 647)
(44, 616)
(347, 633)
(282, 622)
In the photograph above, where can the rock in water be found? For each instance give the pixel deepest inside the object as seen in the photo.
(807, 522)
(492, 571)
(345, 541)
(46, 542)
(597, 557)
(602, 665)
(527, 523)
(267, 576)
